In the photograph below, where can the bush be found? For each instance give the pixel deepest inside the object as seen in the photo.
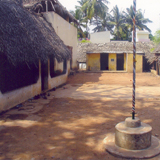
(85, 41)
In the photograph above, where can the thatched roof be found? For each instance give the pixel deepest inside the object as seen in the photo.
(113, 47)
(39, 6)
(156, 52)
(25, 37)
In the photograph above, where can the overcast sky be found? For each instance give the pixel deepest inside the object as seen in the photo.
(151, 8)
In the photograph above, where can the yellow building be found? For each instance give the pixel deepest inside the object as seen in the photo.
(155, 61)
(114, 56)
(113, 62)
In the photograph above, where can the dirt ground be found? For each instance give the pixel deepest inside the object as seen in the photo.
(75, 118)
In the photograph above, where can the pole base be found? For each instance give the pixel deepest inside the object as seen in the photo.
(132, 139)
(112, 148)
(133, 134)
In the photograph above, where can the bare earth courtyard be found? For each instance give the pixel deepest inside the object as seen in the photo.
(75, 118)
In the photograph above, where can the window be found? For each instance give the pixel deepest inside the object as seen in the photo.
(15, 77)
(57, 71)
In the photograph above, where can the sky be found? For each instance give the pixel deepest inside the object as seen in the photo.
(149, 7)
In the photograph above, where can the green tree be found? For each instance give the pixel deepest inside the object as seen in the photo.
(151, 37)
(156, 38)
(103, 23)
(78, 14)
(95, 9)
(140, 20)
(83, 14)
(117, 20)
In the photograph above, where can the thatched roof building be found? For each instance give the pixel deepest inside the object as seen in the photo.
(113, 47)
(39, 6)
(157, 50)
(25, 37)
(156, 54)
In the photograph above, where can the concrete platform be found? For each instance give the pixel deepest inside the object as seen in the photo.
(112, 148)
(133, 138)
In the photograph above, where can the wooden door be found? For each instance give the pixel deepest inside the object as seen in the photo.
(104, 61)
(120, 61)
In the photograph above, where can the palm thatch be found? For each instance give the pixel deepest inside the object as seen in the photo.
(157, 50)
(25, 37)
(113, 47)
(39, 6)
(156, 53)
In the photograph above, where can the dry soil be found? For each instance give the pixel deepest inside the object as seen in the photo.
(73, 121)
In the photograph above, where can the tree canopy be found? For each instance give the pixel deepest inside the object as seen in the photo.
(119, 23)
(156, 38)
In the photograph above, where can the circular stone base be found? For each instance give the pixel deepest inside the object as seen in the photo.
(133, 138)
(111, 147)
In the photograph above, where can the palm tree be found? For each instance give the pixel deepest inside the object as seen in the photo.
(117, 20)
(140, 20)
(83, 14)
(78, 14)
(95, 8)
(103, 23)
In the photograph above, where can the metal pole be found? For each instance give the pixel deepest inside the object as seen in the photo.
(134, 58)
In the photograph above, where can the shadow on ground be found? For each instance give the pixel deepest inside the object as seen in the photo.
(70, 129)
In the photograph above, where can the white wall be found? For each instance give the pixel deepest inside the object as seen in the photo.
(61, 79)
(15, 97)
(141, 36)
(82, 66)
(58, 66)
(100, 37)
(66, 32)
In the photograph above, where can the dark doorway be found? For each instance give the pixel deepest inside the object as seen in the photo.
(65, 66)
(120, 61)
(104, 61)
(158, 66)
(52, 66)
(44, 75)
(146, 65)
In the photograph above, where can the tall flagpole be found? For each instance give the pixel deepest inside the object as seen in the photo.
(134, 58)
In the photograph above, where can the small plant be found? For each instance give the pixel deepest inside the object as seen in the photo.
(152, 49)
(85, 41)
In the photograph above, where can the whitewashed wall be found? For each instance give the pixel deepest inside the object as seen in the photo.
(100, 37)
(66, 32)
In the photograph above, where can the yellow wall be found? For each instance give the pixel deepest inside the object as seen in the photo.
(139, 63)
(125, 61)
(112, 64)
(93, 62)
